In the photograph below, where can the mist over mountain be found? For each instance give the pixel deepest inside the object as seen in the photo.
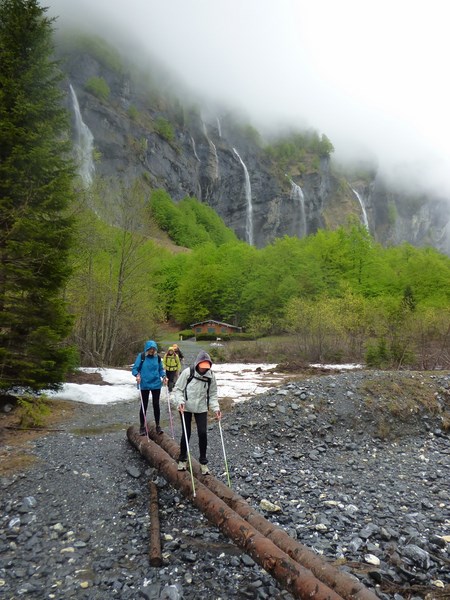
(368, 75)
(396, 191)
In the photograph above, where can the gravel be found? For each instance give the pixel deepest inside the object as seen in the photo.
(370, 496)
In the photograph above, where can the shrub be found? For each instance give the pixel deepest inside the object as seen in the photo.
(98, 87)
(133, 113)
(208, 337)
(224, 337)
(218, 354)
(185, 334)
(377, 355)
(243, 337)
(188, 223)
(33, 410)
(164, 129)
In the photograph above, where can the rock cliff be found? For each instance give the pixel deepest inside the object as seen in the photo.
(141, 131)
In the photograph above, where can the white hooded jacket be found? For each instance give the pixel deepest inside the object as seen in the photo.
(194, 395)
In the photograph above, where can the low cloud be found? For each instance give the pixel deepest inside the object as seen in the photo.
(370, 75)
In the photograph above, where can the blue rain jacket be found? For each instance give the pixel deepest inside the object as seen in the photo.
(151, 368)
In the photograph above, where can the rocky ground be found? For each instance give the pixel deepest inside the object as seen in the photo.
(358, 462)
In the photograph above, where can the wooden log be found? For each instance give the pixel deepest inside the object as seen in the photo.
(345, 584)
(292, 576)
(155, 556)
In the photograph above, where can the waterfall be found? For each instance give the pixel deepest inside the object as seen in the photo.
(298, 196)
(363, 209)
(195, 151)
(84, 143)
(248, 197)
(219, 129)
(214, 152)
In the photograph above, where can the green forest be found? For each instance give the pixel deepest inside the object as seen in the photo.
(86, 276)
(336, 295)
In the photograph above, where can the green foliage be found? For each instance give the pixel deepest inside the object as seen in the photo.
(299, 152)
(217, 354)
(409, 302)
(207, 337)
(377, 355)
(133, 113)
(98, 87)
(33, 410)
(210, 283)
(259, 326)
(206, 218)
(338, 292)
(113, 287)
(324, 147)
(317, 324)
(189, 223)
(138, 146)
(185, 334)
(165, 129)
(35, 190)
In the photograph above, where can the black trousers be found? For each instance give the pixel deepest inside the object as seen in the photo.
(156, 409)
(201, 419)
(172, 377)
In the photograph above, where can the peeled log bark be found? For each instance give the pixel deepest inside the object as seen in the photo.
(155, 536)
(344, 584)
(300, 582)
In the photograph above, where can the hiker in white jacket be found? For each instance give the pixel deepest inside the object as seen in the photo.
(196, 393)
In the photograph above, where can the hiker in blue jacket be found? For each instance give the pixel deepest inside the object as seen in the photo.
(150, 375)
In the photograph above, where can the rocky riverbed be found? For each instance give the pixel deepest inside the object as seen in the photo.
(357, 462)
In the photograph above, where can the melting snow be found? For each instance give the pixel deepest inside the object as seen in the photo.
(237, 381)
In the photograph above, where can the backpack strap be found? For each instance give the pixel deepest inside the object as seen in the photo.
(142, 360)
(190, 378)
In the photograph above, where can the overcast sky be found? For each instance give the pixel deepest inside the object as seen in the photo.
(370, 74)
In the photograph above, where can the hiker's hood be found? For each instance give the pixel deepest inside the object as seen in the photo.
(201, 356)
(150, 344)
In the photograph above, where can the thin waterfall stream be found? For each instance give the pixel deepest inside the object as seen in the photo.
(298, 196)
(84, 143)
(363, 209)
(248, 197)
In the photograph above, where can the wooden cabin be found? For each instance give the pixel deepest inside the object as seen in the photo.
(214, 327)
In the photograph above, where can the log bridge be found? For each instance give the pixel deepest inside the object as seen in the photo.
(299, 570)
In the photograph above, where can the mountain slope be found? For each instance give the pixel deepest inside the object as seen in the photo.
(141, 129)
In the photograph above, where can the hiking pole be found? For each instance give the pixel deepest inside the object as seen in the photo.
(188, 451)
(170, 412)
(224, 456)
(143, 411)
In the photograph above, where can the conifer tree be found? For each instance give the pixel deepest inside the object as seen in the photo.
(36, 175)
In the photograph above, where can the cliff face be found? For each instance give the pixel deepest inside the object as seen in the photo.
(223, 165)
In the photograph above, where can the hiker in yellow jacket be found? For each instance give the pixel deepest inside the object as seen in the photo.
(172, 367)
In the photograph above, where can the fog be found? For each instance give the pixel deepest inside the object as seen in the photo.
(370, 75)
